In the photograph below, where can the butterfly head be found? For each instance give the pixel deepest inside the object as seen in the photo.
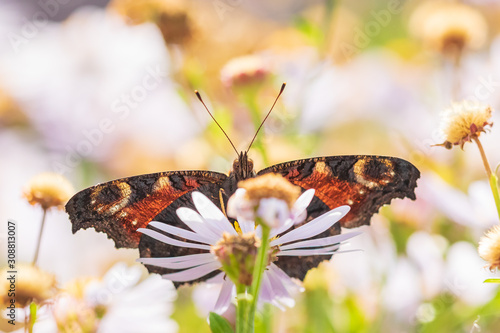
(243, 167)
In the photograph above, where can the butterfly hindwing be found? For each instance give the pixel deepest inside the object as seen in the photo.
(122, 206)
(365, 183)
(152, 248)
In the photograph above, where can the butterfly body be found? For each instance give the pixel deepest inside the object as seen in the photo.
(122, 206)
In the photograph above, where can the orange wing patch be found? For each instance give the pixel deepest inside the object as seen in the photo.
(332, 191)
(141, 213)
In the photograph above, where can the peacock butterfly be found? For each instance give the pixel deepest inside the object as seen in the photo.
(120, 207)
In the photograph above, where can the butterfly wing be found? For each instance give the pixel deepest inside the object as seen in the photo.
(120, 207)
(365, 183)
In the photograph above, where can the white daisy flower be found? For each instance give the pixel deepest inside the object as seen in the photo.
(208, 226)
(118, 303)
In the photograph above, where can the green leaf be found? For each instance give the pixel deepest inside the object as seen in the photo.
(492, 281)
(219, 324)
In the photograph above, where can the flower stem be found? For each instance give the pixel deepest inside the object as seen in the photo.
(241, 314)
(492, 178)
(39, 237)
(258, 273)
(494, 188)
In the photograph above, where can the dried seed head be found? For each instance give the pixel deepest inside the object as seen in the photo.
(244, 71)
(463, 122)
(449, 26)
(489, 247)
(237, 254)
(48, 190)
(270, 186)
(31, 285)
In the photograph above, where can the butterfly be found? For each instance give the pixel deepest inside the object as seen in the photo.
(120, 207)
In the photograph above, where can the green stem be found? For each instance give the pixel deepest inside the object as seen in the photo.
(496, 192)
(258, 273)
(39, 238)
(266, 319)
(241, 310)
(492, 178)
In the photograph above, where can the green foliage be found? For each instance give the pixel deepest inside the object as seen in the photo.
(219, 324)
(186, 315)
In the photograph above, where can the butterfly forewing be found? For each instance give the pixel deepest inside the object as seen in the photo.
(365, 183)
(122, 206)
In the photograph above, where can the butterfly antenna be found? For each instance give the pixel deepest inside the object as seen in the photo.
(263, 121)
(201, 100)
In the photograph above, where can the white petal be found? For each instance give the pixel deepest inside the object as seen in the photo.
(212, 214)
(319, 242)
(303, 252)
(167, 240)
(273, 211)
(258, 231)
(310, 252)
(285, 279)
(276, 284)
(219, 278)
(195, 260)
(193, 273)
(287, 225)
(182, 258)
(301, 204)
(179, 232)
(284, 301)
(246, 226)
(194, 221)
(239, 205)
(225, 295)
(314, 227)
(267, 293)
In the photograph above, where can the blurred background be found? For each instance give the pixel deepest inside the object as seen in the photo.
(97, 90)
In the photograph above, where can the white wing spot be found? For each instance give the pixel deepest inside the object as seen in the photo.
(359, 169)
(161, 183)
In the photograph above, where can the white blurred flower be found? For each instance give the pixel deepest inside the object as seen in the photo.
(117, 303)
(363, 273)
(465, 273)
(426, 252)
(132, 306)
(208, 226)
(332, 95)
(71, 313)
(475, 209)
(92, 81)
(401, 293)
